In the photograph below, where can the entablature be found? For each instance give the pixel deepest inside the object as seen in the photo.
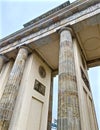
(44, 39)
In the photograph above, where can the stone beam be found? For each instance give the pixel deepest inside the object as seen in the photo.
(48, 26)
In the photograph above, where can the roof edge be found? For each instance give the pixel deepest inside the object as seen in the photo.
(26, 30)
(48, 13)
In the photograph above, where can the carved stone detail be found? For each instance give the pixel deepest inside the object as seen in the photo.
(42, 72)
(39, 87)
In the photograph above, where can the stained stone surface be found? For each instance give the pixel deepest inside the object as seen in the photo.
(10, 93)
(68, 105)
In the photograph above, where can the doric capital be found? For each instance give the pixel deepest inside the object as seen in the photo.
(67, 29)
(29, 50)
(4, 58)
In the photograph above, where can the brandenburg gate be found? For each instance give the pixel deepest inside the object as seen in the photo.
(65, 41)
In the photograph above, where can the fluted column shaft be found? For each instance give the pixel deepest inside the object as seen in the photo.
(68, 105)
(10, 93)
(50, 106)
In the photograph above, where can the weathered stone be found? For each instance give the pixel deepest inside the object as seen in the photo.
(84, 18)
(9, 96)
(68, 106)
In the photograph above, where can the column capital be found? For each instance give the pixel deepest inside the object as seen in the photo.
(26, 48)
(67, 29)
(3, 57)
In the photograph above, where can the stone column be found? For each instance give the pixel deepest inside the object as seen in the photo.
(68, 105)
(4, 76)
(1, 62)
(10, 93)
(50, 106)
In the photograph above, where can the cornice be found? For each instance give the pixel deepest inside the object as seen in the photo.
(64, 12)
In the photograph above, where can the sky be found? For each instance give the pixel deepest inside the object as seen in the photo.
(15, 13)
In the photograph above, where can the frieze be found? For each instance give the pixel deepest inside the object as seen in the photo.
(47, 14)
(93, 10)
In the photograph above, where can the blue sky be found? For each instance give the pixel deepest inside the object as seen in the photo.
(15, 13)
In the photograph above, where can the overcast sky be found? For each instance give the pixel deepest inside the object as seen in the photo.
(15, 13)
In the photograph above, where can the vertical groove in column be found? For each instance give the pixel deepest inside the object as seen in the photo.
(68, 106)
(10, 93)
(50, 106)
